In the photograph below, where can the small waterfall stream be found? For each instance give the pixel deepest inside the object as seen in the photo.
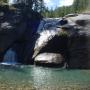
(10, 58)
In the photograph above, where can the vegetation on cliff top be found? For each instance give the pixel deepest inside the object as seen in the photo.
(78, 6)
(35, 5)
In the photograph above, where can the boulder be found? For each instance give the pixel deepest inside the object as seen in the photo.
(49, 59)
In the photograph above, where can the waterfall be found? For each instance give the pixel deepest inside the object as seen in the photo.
(10, 58)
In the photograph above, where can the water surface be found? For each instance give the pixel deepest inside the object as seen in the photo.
(42, 78)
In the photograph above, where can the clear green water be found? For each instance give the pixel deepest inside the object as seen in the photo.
(42, 78)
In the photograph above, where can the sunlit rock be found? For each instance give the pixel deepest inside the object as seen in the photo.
(49, 59)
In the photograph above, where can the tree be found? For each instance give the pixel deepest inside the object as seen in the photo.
(77, 7)
(36, 5)
(80, 5)
(3, 1)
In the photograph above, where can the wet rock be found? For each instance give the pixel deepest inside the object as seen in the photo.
(47, 30)
(50, 41)
(49, 59)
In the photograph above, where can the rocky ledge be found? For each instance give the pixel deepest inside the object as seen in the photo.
(50, 60)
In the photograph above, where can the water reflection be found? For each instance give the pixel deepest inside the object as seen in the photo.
(47, 77)
(41, 77)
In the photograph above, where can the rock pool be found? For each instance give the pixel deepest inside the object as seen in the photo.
(41, 78)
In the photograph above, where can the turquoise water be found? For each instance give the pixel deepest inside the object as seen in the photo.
(42, 78)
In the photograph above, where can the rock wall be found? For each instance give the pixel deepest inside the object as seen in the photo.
(17, 31)
(75, 47)
(12, 26)
(79, 42)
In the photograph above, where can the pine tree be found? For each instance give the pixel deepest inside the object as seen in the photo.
(3, 1)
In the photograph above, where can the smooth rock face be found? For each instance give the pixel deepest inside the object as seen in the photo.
(49, 59)
(79, 42)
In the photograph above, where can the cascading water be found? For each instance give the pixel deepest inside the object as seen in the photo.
(10, 58)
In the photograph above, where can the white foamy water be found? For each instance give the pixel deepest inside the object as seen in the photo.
(10, 58)
(47, 30)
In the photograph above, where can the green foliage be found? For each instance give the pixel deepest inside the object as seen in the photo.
(36, 5)
(63, 33)
(3, 1)
(80, 5)
(77, 7)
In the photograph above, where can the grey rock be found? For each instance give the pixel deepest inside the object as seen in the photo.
(79, 42)
(49, 59)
